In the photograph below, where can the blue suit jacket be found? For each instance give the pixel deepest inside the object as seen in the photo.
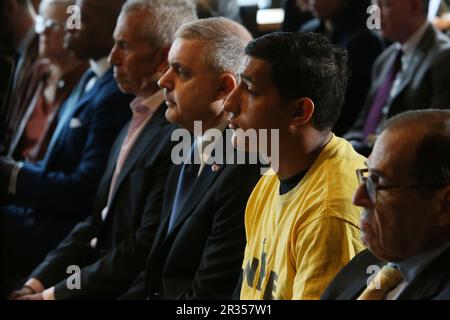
(66, 182)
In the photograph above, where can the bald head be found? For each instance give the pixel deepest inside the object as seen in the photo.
(428, 136)
(226, 41)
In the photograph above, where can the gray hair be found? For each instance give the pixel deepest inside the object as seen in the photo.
(166, 17)
(226, 41)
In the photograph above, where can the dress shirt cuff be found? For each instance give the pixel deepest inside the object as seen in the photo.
(35, 284)
(49, 294)
(13, 178)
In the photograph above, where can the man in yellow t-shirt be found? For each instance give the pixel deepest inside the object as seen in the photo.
(301, 225)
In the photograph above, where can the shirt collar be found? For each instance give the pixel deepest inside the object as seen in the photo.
(201, 142)
(100, 67)
(413, 266)
(26, 41)
(151, 104)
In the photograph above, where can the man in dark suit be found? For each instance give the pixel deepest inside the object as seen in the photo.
(111, 245)
(344, 23)
(413, 73)
(49, 197)
(19, 42)
(199, 244)
(405, 195)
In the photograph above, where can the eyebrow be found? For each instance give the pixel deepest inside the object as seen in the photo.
(247, 78)
(375, 171)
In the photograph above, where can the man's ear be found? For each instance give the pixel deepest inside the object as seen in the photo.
(303, 110)
(227, 83)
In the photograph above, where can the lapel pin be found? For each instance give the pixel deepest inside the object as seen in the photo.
(215, 167)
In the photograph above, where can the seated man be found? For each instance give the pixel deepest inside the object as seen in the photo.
(111, 246)
(200, 242)
(405, 195)
(19, 42)
(344, 22)
(49, 197)
(413, 73)
(55, 75)
(300, 223)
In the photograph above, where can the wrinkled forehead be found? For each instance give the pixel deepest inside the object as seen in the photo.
(394, 153)
(189, 51)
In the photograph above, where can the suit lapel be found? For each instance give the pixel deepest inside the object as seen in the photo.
(202, 184)
(427, 283)
(141, 144)
(24, 121)
(416, 61)
(200, 188)
(355, 288)
(73, 104)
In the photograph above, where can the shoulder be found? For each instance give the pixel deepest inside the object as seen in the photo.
(311, 26)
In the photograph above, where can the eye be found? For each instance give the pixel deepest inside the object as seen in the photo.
(180, 71)
(249, 88)
(121, 44)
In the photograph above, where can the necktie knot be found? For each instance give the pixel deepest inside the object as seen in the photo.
(385, 281)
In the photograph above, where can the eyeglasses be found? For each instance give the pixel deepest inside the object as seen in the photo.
(42, 24)
(372, 187)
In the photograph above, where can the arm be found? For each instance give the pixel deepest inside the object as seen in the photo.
(112, 274)
(72, 191)
(220, 265)
(73, 250)
(319, 258)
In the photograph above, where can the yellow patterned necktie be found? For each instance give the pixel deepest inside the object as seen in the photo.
(385, 281)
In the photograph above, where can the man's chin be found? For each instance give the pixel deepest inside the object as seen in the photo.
(239, 143)
(124, 88)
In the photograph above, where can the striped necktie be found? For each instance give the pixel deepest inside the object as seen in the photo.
(385, 281)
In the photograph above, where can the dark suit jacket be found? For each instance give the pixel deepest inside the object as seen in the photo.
(7, 65)
(66, 183)
(16, 99)
(424, 85)
(40, 76)
(201, 257)
(432, 283)
(125, 237)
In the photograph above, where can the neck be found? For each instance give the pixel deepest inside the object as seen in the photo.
(213, 120)
(414, 27)
(306, 153)
(149, 91)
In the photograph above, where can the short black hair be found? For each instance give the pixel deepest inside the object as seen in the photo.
(306, 65)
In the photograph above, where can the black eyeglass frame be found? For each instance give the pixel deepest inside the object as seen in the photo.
(372, 187)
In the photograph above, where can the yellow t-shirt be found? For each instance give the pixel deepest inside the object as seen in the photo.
(297, 242)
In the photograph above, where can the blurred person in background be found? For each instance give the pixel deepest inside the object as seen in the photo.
(344, 23)
(54, 77)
